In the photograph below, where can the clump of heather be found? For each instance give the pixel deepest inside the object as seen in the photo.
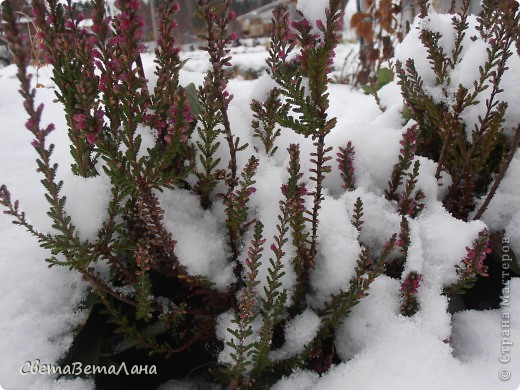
(150, 299)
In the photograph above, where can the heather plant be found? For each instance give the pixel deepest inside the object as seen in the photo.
(150, 299)
(474, 153)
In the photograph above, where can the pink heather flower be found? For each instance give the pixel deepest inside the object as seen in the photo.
(91, 138)
(80, 120)
(320, 25)
(50, 128)
(411, 283)
(35, 143)
(69, 24)
(251, 190)
(30, 124)
(232, 15)
(340, 21)
(176, 7)
(408, 141)
(273, 248)
(103, 80)
(233, 36)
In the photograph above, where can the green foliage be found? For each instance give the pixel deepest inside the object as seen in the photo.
(264, 124)
(346, 165)
(357, 220)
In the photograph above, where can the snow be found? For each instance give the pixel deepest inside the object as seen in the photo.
(434, 251)
(266, 205)
(380, 348)
(407, 353)
(380, 220)
(191, 226)
(299, 331)
(38, 306)
(225, 321)
(87, 201)
(338, 249)
(313, 10)
(498, 217)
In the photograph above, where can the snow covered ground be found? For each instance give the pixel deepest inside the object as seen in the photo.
(432, 350)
